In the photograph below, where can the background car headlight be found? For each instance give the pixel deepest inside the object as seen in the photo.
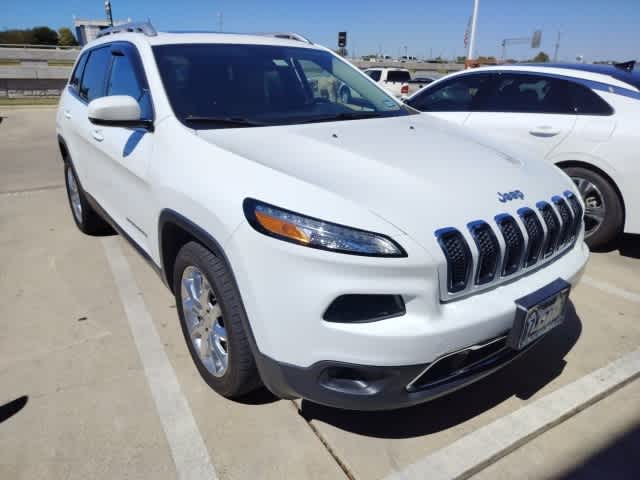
(312, 232)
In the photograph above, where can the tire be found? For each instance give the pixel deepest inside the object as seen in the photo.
(604, 212)
(214, 315)
(86, 218)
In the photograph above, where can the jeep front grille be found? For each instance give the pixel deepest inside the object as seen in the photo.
(509, 246)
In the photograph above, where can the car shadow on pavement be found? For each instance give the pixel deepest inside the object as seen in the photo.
(628, 245)
(522, 378)
(9, 409)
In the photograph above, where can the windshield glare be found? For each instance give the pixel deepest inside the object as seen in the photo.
(265, 85)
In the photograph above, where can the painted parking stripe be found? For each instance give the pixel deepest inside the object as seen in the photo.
(189, 452)
(611, 289)
(479, 449)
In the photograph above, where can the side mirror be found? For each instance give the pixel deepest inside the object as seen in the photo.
(117, 111)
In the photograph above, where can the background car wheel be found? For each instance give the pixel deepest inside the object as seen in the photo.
(604, 215)
(211, 316)
(86, 218)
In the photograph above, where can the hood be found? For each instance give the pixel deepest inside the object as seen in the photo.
(417, 172)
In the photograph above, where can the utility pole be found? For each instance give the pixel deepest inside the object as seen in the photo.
(405, 53)
(220, 21)
(555, 54)
(107, 9)
(472, 39)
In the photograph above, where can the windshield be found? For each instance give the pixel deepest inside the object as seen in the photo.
(222, 85)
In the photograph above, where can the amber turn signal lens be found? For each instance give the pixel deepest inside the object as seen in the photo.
(281, 227)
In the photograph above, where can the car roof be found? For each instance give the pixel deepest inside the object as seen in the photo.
(632, 78)
(607, 74)
(174, 38)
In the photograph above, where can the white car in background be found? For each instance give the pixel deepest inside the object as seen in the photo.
(396, 81)
(583, 118)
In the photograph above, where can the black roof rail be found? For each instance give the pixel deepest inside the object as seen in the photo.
(134, 27)
(288, 36)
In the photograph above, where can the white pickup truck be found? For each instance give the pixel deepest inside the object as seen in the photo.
(396, 81)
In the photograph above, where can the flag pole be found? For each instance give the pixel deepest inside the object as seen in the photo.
(472, 39)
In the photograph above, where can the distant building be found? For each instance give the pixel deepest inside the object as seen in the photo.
(87, 30)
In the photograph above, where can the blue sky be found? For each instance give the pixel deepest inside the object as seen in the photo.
(597, 29)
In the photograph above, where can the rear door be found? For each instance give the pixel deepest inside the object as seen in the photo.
(125, 152)
(453, 99)
(533, 112)
(88, 156)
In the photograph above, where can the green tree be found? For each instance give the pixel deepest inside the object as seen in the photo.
(66, 38)
(541, 58)
(45, 36)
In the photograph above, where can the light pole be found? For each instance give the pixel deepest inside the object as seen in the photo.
(107, 9)
(472, 35)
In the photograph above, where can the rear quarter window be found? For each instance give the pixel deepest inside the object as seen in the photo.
(76, 76)
(587, 102)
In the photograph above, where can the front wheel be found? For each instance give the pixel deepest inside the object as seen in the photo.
(604, 213)
(212, 317)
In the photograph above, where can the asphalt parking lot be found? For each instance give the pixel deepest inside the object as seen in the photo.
(96, 381)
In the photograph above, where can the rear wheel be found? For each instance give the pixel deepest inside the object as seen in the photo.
(86, 218)
(212, 316)
(604, 215)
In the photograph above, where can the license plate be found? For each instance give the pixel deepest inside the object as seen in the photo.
(538, 313)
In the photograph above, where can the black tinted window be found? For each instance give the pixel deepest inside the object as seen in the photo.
(461, 94)
(528, 94)
(76, 76)
(123, 80)
(374, 74)
(398, 76)
(586, 102)
(95, 72)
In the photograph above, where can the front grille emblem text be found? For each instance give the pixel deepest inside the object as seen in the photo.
(507, 197)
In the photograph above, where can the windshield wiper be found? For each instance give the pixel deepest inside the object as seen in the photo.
(237, 121)
(343, 116)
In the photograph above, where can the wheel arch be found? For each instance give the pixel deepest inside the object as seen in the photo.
(176, 230)
(64, 150)
(590, 166)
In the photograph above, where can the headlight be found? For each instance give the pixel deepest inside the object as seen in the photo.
(312, 232)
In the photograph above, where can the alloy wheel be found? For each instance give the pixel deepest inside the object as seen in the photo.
(74, 195)
(205, 324)
(595, 207)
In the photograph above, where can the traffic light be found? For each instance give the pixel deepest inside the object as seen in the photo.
(342, 39)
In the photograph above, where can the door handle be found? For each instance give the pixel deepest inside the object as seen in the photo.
(97, 135)
(544, 131)
(67, 114)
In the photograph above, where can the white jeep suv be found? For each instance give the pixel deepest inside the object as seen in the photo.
(356, 254)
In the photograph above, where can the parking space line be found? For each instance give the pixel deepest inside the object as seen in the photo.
(477, 450)
(612, 289)
(189, 452)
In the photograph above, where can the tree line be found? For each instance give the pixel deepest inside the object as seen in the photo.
(39, 36)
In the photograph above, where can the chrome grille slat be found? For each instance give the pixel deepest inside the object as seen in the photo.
(535, 233)
(514, 244)
(488, 251)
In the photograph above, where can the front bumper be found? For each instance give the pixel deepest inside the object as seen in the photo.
(286, 289)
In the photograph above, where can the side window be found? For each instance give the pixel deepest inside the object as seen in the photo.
(123, 79)
(460, 94)
(76, 76)
(93, 80)
(529, 94)
(374, 74)
(586, 102)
